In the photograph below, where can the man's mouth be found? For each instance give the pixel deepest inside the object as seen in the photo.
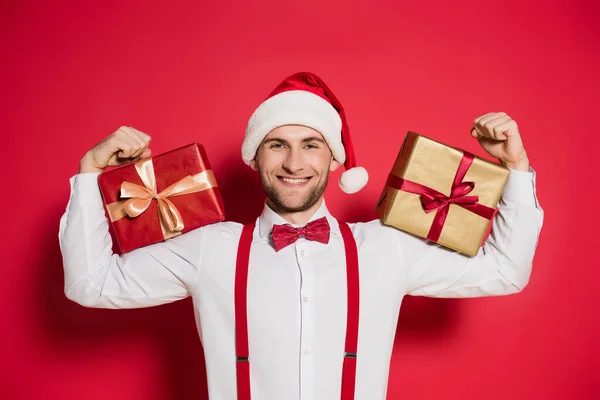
(293, 181)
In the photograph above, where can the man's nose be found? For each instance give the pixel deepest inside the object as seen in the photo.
(293, 161)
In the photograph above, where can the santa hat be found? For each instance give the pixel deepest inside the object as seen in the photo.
(304, 99)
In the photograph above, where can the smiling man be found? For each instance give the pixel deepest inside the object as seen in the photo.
(297, 305)
(294, 162)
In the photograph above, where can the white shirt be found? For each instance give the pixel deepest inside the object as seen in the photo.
(297, 296)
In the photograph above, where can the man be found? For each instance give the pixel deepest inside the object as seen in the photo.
(306, 331)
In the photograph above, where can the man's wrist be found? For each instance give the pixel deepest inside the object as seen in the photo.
(521, 165)
(86, 165)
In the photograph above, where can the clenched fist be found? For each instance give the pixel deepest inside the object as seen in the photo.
(125, 145)
(499, 136)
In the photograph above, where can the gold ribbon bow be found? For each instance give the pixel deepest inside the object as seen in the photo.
(139, 197)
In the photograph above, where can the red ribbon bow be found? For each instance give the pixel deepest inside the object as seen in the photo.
(433, 200)
(317, 230)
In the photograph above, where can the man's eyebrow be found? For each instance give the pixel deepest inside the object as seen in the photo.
(314, 139)
(283, 141)
(278, 140)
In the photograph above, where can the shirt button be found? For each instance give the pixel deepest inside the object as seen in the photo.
(305, 299)
(301, 252)
(306, 352)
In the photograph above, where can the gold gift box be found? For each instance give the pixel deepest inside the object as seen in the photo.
(432, 164)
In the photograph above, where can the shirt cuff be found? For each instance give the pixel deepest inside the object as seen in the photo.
(85, 189)
(520, 187)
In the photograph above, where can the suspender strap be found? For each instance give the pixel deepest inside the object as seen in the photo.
(349, 367)
(241, 317)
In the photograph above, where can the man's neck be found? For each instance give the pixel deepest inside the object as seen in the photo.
(298, 217)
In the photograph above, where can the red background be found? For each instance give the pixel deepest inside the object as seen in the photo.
(73, 72)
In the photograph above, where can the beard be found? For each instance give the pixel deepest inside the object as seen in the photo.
(280, 204)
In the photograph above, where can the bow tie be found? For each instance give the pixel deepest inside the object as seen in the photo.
(317, 230)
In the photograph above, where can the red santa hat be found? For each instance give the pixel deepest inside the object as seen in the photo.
(304, 99)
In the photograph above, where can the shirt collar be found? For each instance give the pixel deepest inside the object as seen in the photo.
(268, 218)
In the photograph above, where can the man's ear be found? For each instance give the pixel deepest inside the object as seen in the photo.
(253, 165)
(334, 165)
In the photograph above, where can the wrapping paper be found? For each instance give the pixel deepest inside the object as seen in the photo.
(161, 197)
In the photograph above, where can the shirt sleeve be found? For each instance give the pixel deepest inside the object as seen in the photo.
(95, 277)
(504, 263)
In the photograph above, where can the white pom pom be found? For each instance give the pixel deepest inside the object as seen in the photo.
(353, 180)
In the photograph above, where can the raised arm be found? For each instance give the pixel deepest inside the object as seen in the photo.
(504, 264)
(94, 276)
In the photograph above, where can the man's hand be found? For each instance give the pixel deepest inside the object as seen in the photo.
(126, 144)
(499, 136)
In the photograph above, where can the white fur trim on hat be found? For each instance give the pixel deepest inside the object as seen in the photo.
(294, 107)
(353, 179)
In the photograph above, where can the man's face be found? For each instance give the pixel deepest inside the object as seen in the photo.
(294, 162)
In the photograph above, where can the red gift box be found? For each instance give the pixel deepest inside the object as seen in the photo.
(157, 198)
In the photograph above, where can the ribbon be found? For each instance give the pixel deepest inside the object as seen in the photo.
(432, 200)
(139, 197)
(317, 230)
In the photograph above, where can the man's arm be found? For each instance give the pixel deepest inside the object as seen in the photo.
(504, 264)
(94, 276)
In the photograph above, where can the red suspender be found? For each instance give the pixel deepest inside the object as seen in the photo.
(349, 368)
(241, 318)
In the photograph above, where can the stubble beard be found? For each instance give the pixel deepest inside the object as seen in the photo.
(278, 203)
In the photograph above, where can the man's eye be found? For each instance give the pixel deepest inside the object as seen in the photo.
(276, 146)
(312, 146)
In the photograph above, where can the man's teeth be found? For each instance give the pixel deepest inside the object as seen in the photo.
(294, 181)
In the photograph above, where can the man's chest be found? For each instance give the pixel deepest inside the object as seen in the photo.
(305, 283)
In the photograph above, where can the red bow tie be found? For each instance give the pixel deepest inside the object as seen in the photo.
(317, 230)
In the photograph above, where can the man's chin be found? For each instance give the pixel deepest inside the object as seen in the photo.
(282, 205)
(291, 199)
